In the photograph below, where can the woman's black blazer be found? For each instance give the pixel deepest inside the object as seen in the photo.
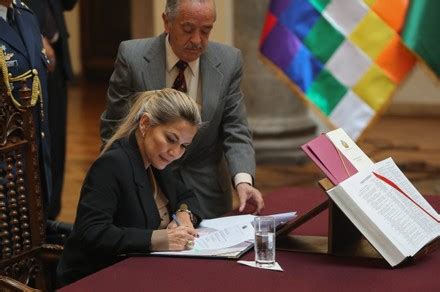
(117, 212)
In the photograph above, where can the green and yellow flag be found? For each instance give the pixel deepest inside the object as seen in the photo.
(421, 32)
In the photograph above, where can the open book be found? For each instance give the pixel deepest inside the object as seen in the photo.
(376, 197)
(225, 237)
(388, 210)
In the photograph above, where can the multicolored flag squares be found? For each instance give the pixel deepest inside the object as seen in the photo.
(345, 57)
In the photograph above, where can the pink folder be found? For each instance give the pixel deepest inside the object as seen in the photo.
(329, 159)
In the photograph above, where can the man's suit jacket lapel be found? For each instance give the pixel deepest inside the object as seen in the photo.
(212, 80)
(144, 188)
(153, 73)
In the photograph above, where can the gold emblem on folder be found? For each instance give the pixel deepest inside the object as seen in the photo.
(345, 144)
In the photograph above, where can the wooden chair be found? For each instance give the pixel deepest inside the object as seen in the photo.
(24, 255)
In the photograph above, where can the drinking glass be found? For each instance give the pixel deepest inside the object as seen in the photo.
(264, 241)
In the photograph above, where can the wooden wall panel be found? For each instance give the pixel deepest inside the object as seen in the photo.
(104, 24)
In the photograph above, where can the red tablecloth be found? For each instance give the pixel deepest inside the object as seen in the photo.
(302, 272)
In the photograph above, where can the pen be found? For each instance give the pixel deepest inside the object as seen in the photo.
(176, 220)
(189, 243)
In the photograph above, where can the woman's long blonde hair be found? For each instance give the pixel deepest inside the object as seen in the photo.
(162, 107)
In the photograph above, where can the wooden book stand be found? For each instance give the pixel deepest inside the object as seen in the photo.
(344, 239)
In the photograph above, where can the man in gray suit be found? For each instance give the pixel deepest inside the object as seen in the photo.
(211, 75)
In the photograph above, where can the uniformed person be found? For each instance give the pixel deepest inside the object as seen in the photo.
(50, 15)
(25, 61)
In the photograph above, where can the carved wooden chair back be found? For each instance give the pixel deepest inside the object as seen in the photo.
(22, 222)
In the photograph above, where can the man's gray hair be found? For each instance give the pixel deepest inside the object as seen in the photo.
(172, 7)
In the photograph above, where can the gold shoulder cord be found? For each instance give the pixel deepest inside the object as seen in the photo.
(5, 73)
(7, 78)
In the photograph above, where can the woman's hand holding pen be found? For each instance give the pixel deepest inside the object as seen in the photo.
(183, 227)
(181, 219)
(180, 237)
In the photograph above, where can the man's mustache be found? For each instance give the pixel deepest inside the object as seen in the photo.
(193, 47)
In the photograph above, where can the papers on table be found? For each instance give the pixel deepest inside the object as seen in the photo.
(222, 222)
(227, 237)
(231, 230)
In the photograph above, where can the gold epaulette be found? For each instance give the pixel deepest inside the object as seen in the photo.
(8, 78)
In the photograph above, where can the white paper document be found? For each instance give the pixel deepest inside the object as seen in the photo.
(226, 237)
(349, 149)
(222, 222)
(388, 210)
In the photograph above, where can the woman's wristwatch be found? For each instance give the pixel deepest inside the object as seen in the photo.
(184, 208)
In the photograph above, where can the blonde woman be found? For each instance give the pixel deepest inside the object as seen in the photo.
(128, 195)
